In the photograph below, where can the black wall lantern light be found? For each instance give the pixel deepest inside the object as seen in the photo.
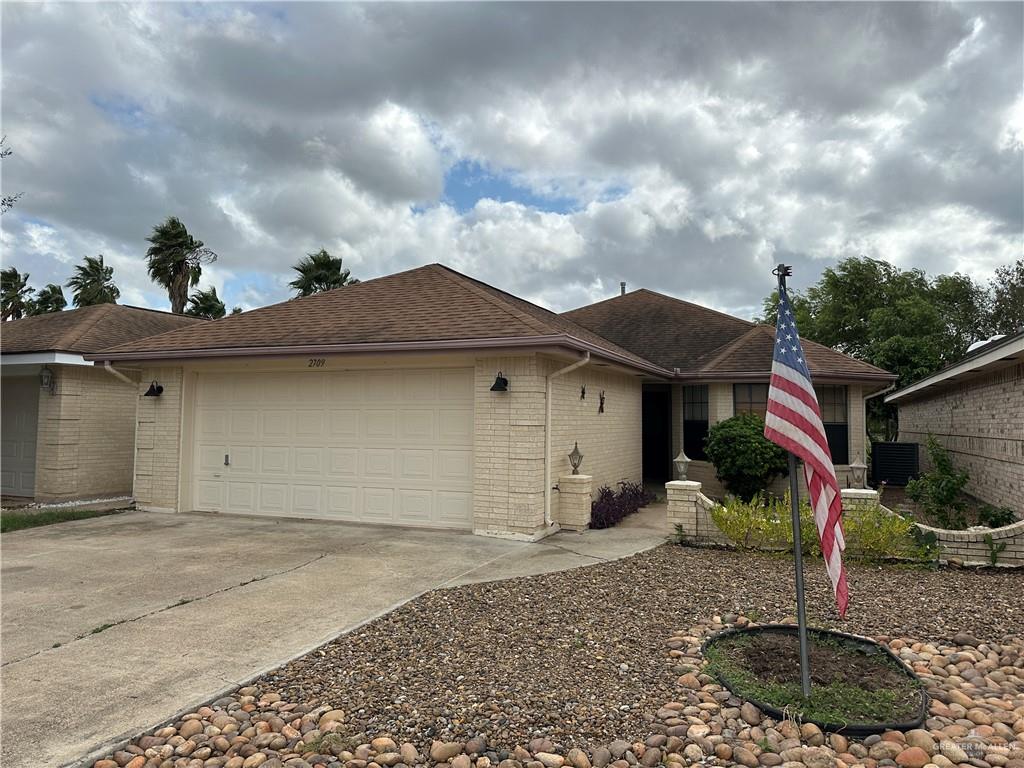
(575, 459)
(583, 392)
(500, 384)
(47, 380)
(155, 389)
(600, 402)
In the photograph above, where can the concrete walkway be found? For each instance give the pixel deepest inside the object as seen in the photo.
(114, 624)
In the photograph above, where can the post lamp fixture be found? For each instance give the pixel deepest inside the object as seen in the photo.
(155, 389)
(859, 470)
(682, 464)
(47, 380)
(575, 458)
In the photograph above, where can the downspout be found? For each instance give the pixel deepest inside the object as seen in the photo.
(872, 396)
(117, 374)
(547, 432)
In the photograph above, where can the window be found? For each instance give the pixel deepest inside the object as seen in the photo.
(750, 398)
(695, 421)
(833, 405)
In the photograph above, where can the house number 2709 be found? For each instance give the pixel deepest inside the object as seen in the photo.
(317, 362)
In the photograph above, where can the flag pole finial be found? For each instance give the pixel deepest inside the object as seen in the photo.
(782, 271)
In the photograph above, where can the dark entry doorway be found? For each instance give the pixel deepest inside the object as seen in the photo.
(657, 433)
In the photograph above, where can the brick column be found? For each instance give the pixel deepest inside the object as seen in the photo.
(854, 498)
(682, 506)
(574, 502)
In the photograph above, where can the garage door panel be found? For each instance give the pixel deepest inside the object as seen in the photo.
(454, 509)
(309, 461)
(378, 505)
(416, 425)
(242, 458)
(380, 446)
(455, 425)
(247, 389)
(343, 462)
(416, 464)
(379, 463)
(11, 449)
(415, 507)
(242, 496)
(306, 499)
(274, 460)
(274, 498)
(309, 425)
(381, 386)
(343, 425)
(342, 502)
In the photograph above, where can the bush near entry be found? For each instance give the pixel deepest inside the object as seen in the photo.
(745, 460)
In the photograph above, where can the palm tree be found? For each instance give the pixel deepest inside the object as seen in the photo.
(175, 260)
(320, 272)
(206, 304)
(16, 295)
(49, 299)
(93, 283)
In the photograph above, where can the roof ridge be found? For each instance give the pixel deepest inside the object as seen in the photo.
(468, 282)
(695, 304)
(718, 353)
(76, 332)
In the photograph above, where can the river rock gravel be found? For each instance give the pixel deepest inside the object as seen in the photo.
(600, 666)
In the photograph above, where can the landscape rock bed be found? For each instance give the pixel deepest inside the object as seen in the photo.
(573, 669)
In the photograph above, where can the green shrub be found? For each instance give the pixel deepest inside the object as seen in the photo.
(871, 532)
(938, 491)
(996, 517)
(745, 460)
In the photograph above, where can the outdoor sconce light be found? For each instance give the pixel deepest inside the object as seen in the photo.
(47, 380)
(583, 392)
(600, 402)
(500, 384)
(575, 459)
(859, 470)
(155, 390)
(682, 464)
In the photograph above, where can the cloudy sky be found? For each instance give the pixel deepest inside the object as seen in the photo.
(551, 150)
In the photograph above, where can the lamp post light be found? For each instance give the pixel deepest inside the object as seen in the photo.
(682, 464)
(859, 471)
(575, 459)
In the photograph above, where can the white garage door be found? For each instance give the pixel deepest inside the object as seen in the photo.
(370, 446)
(19, 417)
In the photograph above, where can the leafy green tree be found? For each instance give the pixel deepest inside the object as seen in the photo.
(49, 299)
(206, 304)
(236, 310)
(16, 295)
(1008, 298)
(965, 313)
(320, 272)
(744, 459)
(93, 283)
(175, 260)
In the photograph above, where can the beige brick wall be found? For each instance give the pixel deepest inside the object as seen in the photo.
(158, 441)
(981, 423)
(508, 447)
(611, 442)
(85, 437)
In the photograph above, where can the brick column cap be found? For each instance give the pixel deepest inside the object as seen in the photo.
(575, 479)
(859, 493)
(682, 485)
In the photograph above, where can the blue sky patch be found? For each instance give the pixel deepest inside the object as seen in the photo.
(122, 110)
(468, 181)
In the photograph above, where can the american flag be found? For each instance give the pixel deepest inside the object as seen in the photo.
(793, 421)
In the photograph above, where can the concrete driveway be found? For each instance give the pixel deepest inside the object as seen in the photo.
(114, 624)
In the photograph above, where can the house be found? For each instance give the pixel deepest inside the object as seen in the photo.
(69, 426)
(975, 408)
(429, 398)
(720, 366)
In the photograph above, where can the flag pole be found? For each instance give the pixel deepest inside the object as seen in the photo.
(783, 271)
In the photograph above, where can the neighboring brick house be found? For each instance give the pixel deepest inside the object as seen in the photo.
(426, 398)
(975, 408)
(69, 426)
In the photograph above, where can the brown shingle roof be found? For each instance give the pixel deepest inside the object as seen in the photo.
(704, 343)
(667, 331)
(419, 306)
(87, 329)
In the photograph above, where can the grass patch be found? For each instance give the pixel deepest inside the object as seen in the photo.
(848, 686)
(17, 519)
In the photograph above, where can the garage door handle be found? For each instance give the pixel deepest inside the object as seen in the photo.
(227, 461)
